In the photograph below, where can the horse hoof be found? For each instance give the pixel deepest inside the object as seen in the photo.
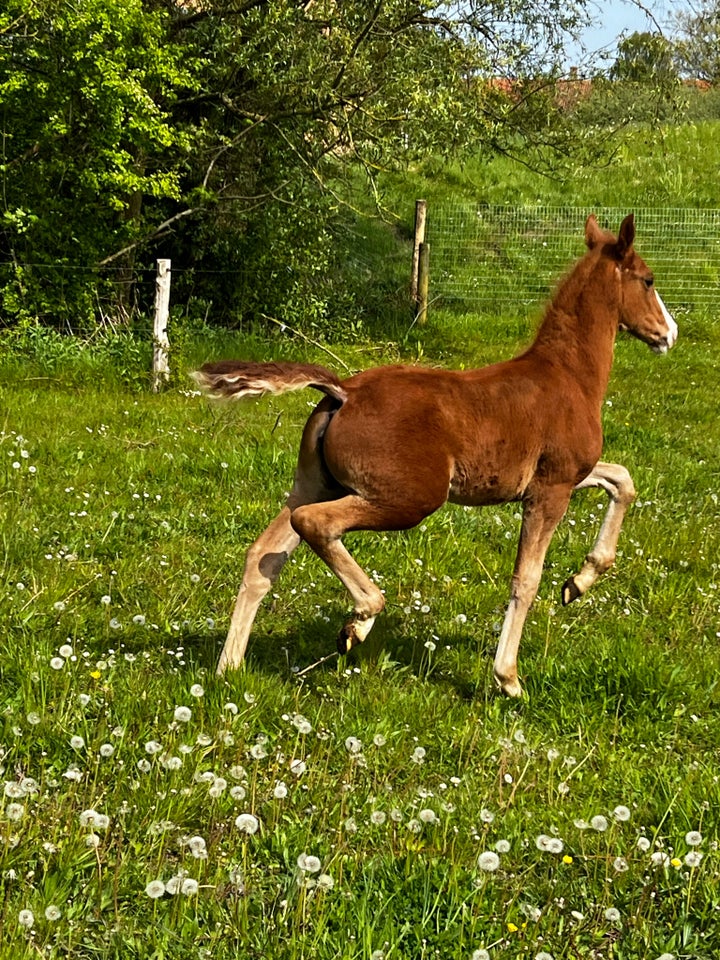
(570, 591)
(344, 640)
(511, 688)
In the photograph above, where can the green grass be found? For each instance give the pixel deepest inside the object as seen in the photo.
(125, 519)
(149, 502)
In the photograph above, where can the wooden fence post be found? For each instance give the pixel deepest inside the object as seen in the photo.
(419, 238)
(161, 344)
(423, 284)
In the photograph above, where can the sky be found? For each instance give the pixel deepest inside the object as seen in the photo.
(616, 17)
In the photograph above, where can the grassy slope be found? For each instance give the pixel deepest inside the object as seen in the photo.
(150, 501)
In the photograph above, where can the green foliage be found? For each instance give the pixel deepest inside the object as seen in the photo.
(227, 138)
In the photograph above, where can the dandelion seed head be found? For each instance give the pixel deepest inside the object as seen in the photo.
(621, 813)
(693, 838)
(197, 690)
(26, 918)
(155, 889)
(599, 823)
(247, 823)
(612, 915)
(488, 861)
(52, 912)
(182, 714)
(308, 863)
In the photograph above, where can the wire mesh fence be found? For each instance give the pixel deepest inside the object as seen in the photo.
(496, 258)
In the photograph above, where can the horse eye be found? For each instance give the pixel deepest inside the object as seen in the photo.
(648, 281)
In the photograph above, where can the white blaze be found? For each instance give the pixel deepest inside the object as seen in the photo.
(672, 333)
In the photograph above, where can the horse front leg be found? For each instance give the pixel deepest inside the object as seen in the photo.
(615, 479)
(541, 515)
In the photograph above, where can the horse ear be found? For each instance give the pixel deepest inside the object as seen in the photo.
(626, 235)
(593, 233)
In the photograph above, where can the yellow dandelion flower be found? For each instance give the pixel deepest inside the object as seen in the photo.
(567, 859)
(512, 928)
(95, 674)
(675, 862)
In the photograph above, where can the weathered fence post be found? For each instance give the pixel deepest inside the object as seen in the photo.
(161, 344)
(420, 218)
(423, 284)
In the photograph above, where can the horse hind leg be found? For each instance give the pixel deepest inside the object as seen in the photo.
(268, 555)
(616, 480)
(322, 525)
(265, 559)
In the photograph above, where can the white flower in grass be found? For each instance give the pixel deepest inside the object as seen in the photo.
(396, 815)
(660, 859)
(182, 714)
(530, 911)
(693, 838)
(350, 825)
(106, 750)
(57, 663)
(91, 818)
(414, 826)
(643, 844)
(620, 864)
(257, 751)
(198, 848)
(503, 846)
(612, 915)
(549, 844)
(77, 743)
(297, 767)
(66, 651)
(14, 811)
(666, 956)
(693, 858)
(52, 912)
(152, 747)
(155, 889)
(139, 620)
(378, 817)
(488, 861)
(280, 791)
(308, 863)
(26, 918)
(487, 816)
(418, 755)
(543, 955)
(599, 823)
(33, 718)
(353, 745)
(189, 887)
(301, 724)
(621, 813)
(480, 955)
(379, 740)
(427, 816)
(106, 600)
(196, 690)
(237, 792)
(247, 823)
(325, 882)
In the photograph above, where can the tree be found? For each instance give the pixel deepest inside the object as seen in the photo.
(226, 132)
(697, 45)
(644, 58)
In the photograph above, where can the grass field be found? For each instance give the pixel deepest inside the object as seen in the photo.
(387, 805)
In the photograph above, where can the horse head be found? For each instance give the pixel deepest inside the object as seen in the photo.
(641, 309)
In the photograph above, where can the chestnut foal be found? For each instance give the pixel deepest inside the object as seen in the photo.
(388, 446)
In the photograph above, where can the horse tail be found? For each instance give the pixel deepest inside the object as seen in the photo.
(236, 379)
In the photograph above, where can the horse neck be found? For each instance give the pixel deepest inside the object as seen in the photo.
(579, 328)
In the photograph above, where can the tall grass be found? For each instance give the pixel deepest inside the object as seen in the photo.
(384, 805)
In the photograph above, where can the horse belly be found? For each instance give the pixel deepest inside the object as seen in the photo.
(492, 481)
